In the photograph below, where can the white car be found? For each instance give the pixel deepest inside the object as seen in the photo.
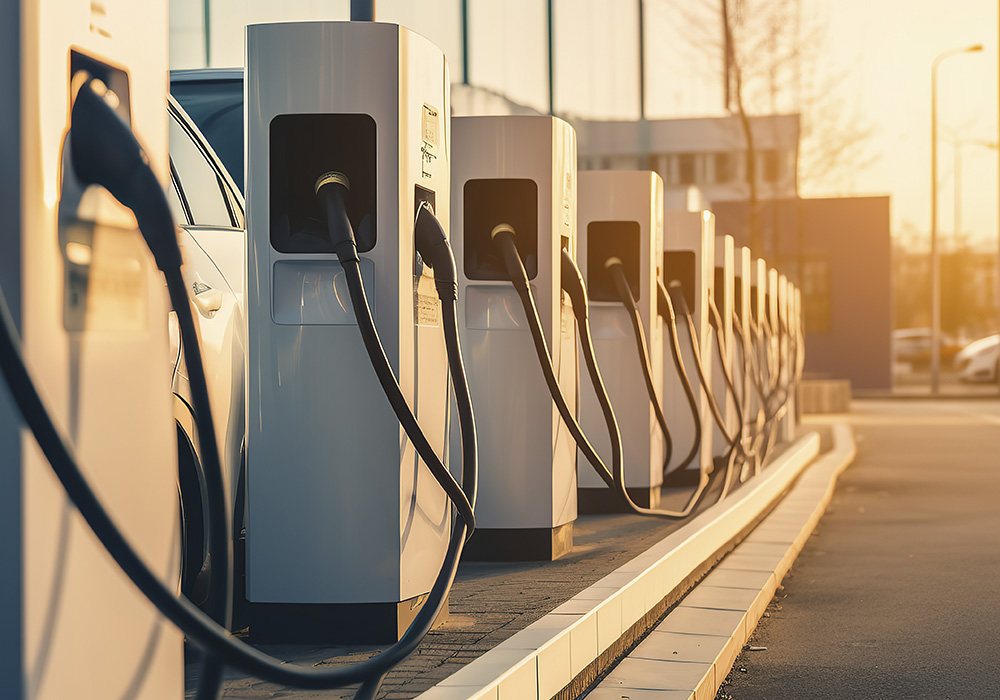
(979, 361)
(209, 210)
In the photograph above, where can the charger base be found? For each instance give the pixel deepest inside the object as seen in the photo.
(519, 544)
(335, 623)
(595, 501)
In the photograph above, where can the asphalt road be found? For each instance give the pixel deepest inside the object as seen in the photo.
(897, 594)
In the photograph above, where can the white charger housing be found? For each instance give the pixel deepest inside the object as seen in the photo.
(743, 273)
(346, 527)
(621, 215)
(722, 289)
(758, 337)
(91, 311)
(518, 170)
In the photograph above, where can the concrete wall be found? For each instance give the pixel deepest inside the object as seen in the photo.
(846, 240)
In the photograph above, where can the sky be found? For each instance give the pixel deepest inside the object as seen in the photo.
(873, 56)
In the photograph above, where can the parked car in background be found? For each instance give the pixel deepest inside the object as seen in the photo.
(979, 361)
(913, 346)
(208, 208)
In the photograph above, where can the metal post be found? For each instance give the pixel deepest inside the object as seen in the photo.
(642, 64)
(958, 191)
(465, 42)
(552, 71)
(935, 254)
(207, 9)
(362, 10)
(935, 262)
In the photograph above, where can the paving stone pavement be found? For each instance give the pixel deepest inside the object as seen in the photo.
(489, 603)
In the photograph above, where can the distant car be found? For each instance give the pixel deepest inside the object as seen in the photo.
(979, 361)
(913, 345)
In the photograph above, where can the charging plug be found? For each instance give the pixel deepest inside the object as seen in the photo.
(432, 244)
(572, 283)
(676, 292)
(331, 190)
(105, 152)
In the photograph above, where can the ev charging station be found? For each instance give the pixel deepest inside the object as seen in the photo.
(773, 335)
(621, 216)
(741, 320)
(346, 528)
(519, 171)
(785, 344)
(689, 259)
(758, 338)
(722, 289)
(91, 311)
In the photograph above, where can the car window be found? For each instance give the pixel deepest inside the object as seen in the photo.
(216, 108)
(201, 188)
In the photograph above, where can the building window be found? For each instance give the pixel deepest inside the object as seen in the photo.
(725, 167)
(816, 294)
(685, 168)
(770, 165)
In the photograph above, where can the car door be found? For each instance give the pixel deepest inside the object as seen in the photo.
(209, 210)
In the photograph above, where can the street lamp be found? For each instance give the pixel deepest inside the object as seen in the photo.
(935, 254)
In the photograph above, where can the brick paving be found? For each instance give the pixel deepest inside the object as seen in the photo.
(489, 603)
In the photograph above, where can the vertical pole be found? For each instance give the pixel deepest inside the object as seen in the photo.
(958, 191)
(552, 71)
(465, 42)
(207, 9)
(935, 260)
(642, 64)
(362, 10)
(728, 56)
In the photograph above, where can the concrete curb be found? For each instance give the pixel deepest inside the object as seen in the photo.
(692, 651)
(597, 626)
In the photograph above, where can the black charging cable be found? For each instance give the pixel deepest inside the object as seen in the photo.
(431, 243)
(613, 266)
(332, 190)
(676, 294)
(105, 152)
(503, 236)
(680, 304)
(665, 308)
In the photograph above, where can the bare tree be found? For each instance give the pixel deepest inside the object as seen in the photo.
(770, 58)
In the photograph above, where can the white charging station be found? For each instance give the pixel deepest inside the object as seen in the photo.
(521, 171)
(621, 215)
(689, 258)
(798, 356)
(91, 310)
(742, 273)
(346, 528)
(756, 341)
(773, 326)
(722, 289)
(785, 345)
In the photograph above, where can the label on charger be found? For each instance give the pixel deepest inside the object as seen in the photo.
(425, 302)
(429, 126)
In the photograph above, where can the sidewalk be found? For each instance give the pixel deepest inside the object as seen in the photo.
(897, 594)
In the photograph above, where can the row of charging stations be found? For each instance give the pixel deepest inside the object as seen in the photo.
(347, 521)
(515, 174)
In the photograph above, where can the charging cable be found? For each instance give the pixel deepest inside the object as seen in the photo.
(613, 266)
(503, 236)
(665, 308)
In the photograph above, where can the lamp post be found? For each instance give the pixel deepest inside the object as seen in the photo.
(935, 254)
